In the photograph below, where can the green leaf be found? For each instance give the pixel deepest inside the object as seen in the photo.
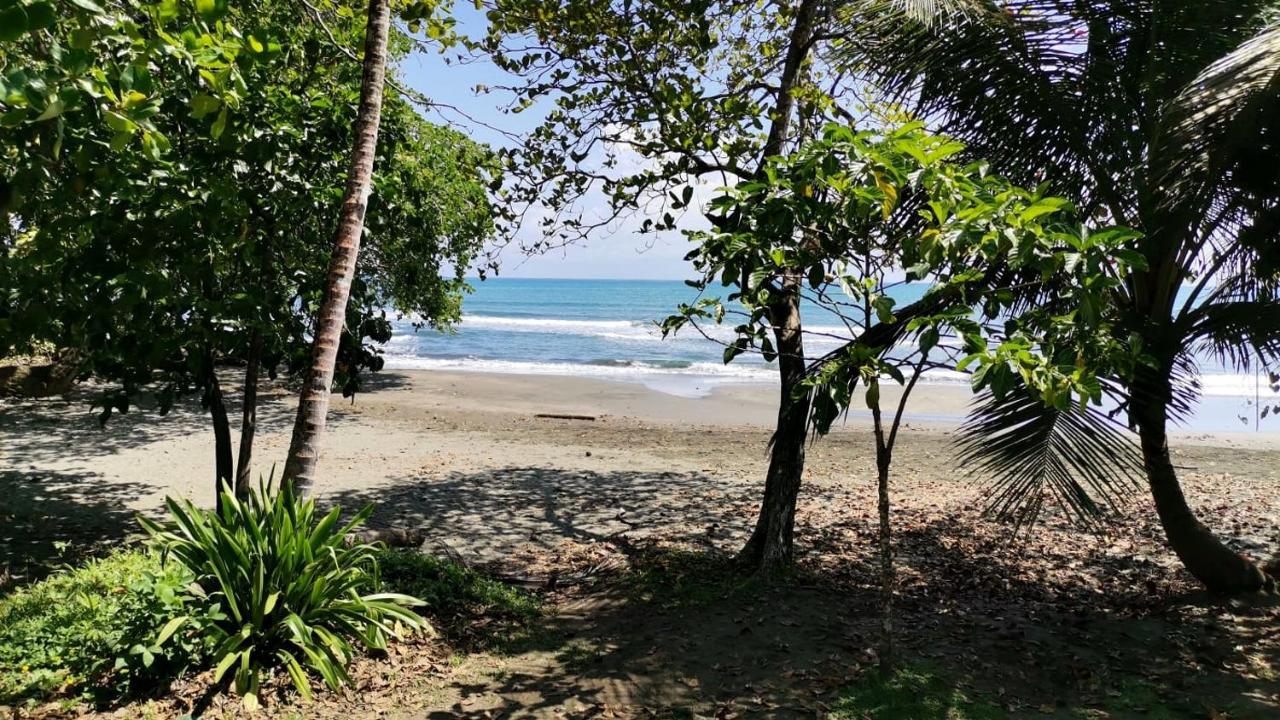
(40, 16)
(82, 38)
(13, 23)
(211, 9)
(170, 628)
(219, 125)
(928, 339)
(202, 104)
(224, 664)
(55, 108)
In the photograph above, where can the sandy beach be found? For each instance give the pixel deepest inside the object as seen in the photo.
(465, 457)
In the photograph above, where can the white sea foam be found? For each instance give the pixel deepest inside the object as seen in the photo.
(1236, 385)
(693, 378)
(705, 374)
(630, 330)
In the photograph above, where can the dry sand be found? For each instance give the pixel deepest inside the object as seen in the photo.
(464, 456)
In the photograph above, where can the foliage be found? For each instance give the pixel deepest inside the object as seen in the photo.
(93, 630)
(156, 262)
(459, 600)
(642, 98)
(280, 588)
(852, 207)
(1162, 117)
(1076, 459)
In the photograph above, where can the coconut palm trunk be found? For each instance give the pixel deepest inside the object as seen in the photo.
(313, 404)
(1205, 556)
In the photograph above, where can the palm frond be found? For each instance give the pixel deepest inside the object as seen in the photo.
(1228, 109)
(1031, 455)
(929, 12)
(1238, 333)
(1011, 79)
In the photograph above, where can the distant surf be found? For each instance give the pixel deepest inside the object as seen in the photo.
(608, 329)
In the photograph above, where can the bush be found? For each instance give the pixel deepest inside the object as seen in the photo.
(279, 587)
(92, 630)
(467, 604)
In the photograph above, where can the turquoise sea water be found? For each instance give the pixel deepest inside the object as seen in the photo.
(606, 329)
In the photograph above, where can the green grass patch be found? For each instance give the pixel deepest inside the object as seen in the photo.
(89, 630)
(916, 692)
(466, 606)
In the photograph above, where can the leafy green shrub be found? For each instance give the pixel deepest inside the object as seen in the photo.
(93, 629)
(464, 602)
(279, 587)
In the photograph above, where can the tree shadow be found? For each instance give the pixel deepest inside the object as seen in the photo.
(58, 506)
(492, 516)
(65, 431)
(49, 519)
(1051, 623)
(1038, 619)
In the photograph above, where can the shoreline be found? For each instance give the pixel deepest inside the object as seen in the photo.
(940, 406)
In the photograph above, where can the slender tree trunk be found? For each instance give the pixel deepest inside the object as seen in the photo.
(769, 550)
(221, 433)
(888, 579)
(313, 405)
(248, 415)
(1217, 566)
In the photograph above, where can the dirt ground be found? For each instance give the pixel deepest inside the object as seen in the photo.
(625, 525)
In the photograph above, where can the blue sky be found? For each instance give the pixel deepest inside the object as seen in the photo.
(618, 253)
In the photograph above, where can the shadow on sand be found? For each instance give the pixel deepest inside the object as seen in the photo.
(55, 508)
(676, 630)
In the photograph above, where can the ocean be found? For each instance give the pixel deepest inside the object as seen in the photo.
(607, 329)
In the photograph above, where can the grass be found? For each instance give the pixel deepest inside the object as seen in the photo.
(917, 692)
(467, 607)
(79, 634)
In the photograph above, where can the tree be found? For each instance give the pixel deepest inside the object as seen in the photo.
(1159, 116)
(313, 405)
(852, 208)
(158, 267)
(645, 98)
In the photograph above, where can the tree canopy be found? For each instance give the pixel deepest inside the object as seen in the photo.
(172, 169)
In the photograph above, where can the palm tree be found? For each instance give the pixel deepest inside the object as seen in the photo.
(1162, 116)
(313, 404)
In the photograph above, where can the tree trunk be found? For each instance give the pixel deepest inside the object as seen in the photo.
(769, 550)
(884, 537)
(1214, 564)
(313, 405)
(886, 556)
(221, 434)
(248, 415)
